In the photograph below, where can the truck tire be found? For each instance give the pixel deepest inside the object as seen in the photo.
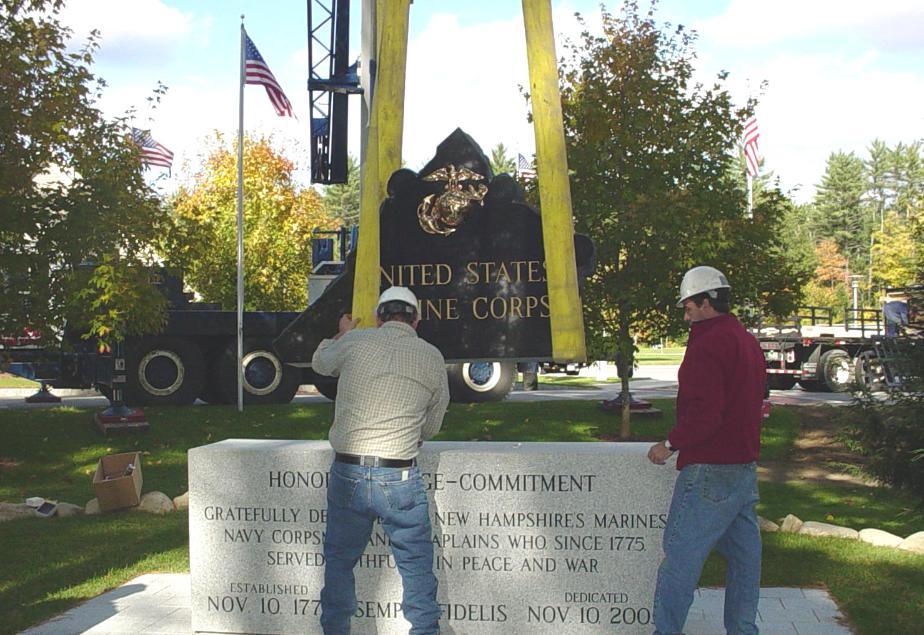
(163, 371)
(266, 378)
(324, 384)
(868, 371)
(836, 370)
(780, 382)
(476, 382)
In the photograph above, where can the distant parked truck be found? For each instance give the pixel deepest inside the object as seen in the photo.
(819, 354)
(823, 355)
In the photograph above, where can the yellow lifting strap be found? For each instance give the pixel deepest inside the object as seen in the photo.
(383, 156)
(383, 152)
(565, 313)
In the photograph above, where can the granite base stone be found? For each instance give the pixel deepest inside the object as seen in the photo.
(158, 604)
(537, 538)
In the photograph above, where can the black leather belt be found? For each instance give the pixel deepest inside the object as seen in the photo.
(373, 461)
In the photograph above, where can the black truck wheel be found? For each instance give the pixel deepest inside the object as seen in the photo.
(324, 384)
(163, 371)
(836, 370)
(475, 382)
(266, 378)
(868, 372)
(780, 382)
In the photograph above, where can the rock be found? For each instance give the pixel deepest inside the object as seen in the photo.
(913, 543)
(879, 538)
(12, 511)
(767, 526)
(181, 502)
(69, 509)
(155, 503)
(812, 528)
(791, 524)
(91, 508)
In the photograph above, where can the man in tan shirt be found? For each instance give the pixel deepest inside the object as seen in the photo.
(391, 396)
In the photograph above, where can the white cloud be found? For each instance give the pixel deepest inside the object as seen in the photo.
(131, 32)
(816, 105)
(470, 77)
(819, 99)
(886, 23)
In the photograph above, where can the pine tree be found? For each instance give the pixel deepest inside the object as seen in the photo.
(500, 162)
(342, 201)
(840, 210)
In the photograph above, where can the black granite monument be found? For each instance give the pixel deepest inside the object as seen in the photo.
(471, 249)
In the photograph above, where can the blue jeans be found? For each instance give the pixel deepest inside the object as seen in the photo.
(712, 508)
(356, 497)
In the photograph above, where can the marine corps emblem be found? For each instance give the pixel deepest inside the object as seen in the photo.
(442, 213)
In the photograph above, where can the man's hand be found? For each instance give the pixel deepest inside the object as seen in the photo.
(658, 453)
(346, 324)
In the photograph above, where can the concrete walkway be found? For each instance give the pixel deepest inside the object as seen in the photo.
(159, 603)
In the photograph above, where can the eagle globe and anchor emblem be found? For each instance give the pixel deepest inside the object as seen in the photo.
(442, 213)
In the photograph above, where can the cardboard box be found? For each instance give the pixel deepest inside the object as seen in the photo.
(114, 488)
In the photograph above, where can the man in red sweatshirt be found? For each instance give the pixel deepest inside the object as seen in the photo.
(717, 437)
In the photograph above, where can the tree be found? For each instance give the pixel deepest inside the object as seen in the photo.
(880, 188)
(500, 162)
(894, 253)
(839, 208)
(342, 201)
(829, 285)
(653, 183)
(279, 218)
(76, 217)
(909, 178)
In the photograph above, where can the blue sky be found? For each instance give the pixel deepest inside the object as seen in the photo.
(839, 73)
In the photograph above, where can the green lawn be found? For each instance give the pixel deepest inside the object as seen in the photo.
(50, 565)
(12, 381)
(666, 355)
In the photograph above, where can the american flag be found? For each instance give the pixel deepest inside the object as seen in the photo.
(152, 153)
(524, 168)
(257, 72)
(751, 154)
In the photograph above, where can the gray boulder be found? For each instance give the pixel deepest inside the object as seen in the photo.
(812, 528)
(155, 503)
(767, 526)
(791, 524)
(181, 502)
(880, 538)
(69, 509)
(913, 543)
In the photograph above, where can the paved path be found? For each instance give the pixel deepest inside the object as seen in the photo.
(159, 603)
(653, 382)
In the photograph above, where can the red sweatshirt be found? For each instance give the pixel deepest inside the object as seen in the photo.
(722, 386)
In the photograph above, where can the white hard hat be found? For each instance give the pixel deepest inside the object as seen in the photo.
(397, 294)
(701, 280)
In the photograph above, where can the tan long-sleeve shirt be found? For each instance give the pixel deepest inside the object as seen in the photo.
(392, 392)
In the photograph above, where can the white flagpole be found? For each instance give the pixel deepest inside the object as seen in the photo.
(750, 197)
(240, 234)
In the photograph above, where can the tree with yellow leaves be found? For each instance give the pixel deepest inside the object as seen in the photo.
(279, 218)
(895, 253)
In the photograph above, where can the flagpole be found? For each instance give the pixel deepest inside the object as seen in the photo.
(240, 233)
(750, 197)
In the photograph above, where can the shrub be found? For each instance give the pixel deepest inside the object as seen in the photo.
(890, 432)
